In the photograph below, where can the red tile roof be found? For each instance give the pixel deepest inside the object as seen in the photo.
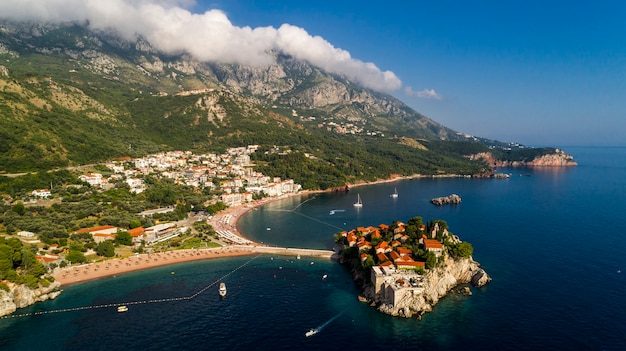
(46, 258)
(404, 251)
(432, 244)
(382, 257)
(135, 232)
(382, 247)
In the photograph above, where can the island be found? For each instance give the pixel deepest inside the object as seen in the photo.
(404, 269)
(444, 200)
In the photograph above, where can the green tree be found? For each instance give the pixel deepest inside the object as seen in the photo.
(461, 250)
(106, 249)
(30, 265)
(6, 260)
(76, 257)
(369, 262)
(124, 238)
(135, 223)
(19, 208)
(431, 260)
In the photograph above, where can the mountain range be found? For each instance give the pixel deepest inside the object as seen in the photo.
(70, 96)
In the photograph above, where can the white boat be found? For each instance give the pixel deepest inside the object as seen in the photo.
(325, 276)
(311, 332)
(122, 309)
(222, 290)
(395, 193)
(358, 202)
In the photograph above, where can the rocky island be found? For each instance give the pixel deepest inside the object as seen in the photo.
(444, 200)
(404, 269)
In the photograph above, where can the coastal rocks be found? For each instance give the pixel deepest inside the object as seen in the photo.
(480, 278)
(20, 296)
(558, 158)
(451, 199)
(436, 284)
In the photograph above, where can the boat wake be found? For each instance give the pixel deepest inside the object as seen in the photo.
(314, 331)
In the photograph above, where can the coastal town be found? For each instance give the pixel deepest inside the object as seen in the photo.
(230, 172)
(225, 182)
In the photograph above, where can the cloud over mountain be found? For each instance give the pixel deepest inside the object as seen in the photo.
(423, 94)
(208, 36)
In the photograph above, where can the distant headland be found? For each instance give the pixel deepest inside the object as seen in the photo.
(403, 269)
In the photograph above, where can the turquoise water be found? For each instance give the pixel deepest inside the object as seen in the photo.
(553, 240)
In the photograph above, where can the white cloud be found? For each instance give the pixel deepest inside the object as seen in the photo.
(423, 94)
(209, 36)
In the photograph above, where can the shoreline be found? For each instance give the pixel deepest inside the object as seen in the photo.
(116, 266)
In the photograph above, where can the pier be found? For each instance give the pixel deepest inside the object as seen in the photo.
(286, 251)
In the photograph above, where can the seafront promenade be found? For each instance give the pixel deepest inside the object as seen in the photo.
(224, 223)
(285, 251)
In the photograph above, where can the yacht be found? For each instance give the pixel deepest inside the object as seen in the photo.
(311, 332)
(222, 290)
(122, 309)
(395, 193)
(358, 202)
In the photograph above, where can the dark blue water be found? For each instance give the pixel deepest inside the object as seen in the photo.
(553, 240)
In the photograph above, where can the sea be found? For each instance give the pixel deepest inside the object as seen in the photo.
(552, 239)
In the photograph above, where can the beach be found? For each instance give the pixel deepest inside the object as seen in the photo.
(224, 220)
(116, 266)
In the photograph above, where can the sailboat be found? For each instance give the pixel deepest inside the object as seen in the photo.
(358, 202)
(395, 193)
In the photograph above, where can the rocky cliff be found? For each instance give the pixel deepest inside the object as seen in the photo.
(558, 158)
(415, 300)
(20, 296)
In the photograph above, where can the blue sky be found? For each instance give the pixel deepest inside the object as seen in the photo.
(542, 73)
(535, 72)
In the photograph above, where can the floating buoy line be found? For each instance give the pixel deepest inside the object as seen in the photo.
(143, 302)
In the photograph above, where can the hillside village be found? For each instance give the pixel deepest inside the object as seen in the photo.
(229, 174)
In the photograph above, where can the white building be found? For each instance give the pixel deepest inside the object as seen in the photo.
(41, 193)
(94, 179)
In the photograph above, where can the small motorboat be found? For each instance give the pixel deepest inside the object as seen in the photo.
(311, 332)
(121, 309)
(325, 276)
(222, 290)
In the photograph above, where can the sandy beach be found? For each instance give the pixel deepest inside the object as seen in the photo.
(224, 220)
(117, 266)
